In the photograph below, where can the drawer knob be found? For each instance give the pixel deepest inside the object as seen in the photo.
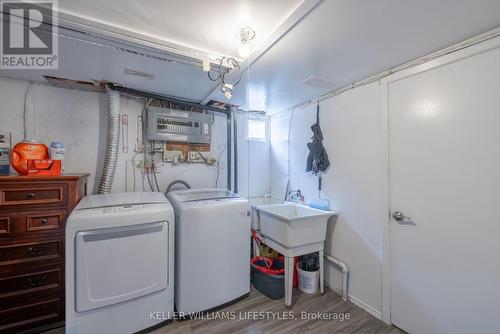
(44, 221)
(31, 195)
(32, 251)
(36, 281)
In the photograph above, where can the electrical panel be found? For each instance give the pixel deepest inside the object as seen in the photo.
(179, 126)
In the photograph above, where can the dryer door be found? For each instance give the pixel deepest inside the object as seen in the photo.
(118, 264)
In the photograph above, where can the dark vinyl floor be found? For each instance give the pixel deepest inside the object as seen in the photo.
(304, 310)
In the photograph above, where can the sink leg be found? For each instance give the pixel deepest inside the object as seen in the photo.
(288, 280)
(321, 272)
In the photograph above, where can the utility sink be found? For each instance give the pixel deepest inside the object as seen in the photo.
(293, 225)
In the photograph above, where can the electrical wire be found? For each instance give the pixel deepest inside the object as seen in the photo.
(133, 172)
(218, 167)
(154, 176)
(214, 79)
(201, 155)
(145, 141)
(223, 72)
(149, 181)
(235, 64)
(221, 148)
(217, 177)
(131, 161)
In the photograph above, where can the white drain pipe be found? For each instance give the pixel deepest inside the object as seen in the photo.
(345, 274)
(113, 136)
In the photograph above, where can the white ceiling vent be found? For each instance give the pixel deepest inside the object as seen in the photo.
(319, 82)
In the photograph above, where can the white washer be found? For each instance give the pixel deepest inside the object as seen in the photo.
(212, 248)
(119, 263)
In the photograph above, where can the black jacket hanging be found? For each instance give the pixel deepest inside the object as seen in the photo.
(317, 160)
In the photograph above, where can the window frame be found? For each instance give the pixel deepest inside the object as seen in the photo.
(266, 131)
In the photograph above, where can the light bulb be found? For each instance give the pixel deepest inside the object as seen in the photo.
(246, 34)
(244, 49)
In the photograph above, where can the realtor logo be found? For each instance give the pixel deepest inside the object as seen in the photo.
(29, 35)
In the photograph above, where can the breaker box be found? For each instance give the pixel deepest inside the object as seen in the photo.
(179, 126)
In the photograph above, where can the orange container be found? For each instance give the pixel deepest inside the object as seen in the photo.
(44, 167)
(24, 151)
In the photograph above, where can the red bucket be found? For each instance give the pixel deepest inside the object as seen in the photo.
(269, 265)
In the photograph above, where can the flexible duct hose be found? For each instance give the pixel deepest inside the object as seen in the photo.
(173, 183)
(113, 136)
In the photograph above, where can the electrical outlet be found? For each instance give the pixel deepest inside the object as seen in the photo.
(196, 156)
(172, 156)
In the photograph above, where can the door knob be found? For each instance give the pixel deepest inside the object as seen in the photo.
(401, 218)
(398, 216)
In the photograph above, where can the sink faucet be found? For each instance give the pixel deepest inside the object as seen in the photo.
(295, 196)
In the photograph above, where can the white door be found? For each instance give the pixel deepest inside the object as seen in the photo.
(444, 128)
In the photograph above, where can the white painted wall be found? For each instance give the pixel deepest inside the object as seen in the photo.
(351, 125)
(253, 161)
(355, 128)
(78, 119)
(279, 155)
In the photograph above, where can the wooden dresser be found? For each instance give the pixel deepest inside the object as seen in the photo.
(33, 212)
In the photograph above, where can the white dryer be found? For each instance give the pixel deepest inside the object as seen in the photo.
(119, 263)
(212, 248)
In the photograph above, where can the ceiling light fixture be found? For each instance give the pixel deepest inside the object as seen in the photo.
(246, 35)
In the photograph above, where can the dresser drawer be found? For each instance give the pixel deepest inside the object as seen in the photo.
(33, 194)
(31, 280)
(46, 220)
(32, 223)
(7, 224)
(23, 317)
(31, 252)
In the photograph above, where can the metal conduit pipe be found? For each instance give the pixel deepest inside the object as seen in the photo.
(345, 274)
(113, 135)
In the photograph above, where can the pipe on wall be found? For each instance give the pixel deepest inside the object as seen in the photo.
(229, 149)
(235, 127)
(112, 137)
(345, 274)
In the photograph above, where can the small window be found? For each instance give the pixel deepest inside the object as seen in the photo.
(256, 129)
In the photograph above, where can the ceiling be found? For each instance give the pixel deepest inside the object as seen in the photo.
(209, 26)
(340, 40)
(350, 40)
(183, 24)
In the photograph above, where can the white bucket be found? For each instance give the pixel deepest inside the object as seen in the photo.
(307, 280)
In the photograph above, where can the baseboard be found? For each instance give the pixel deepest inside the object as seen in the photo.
(367, 308)
(357, 302)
